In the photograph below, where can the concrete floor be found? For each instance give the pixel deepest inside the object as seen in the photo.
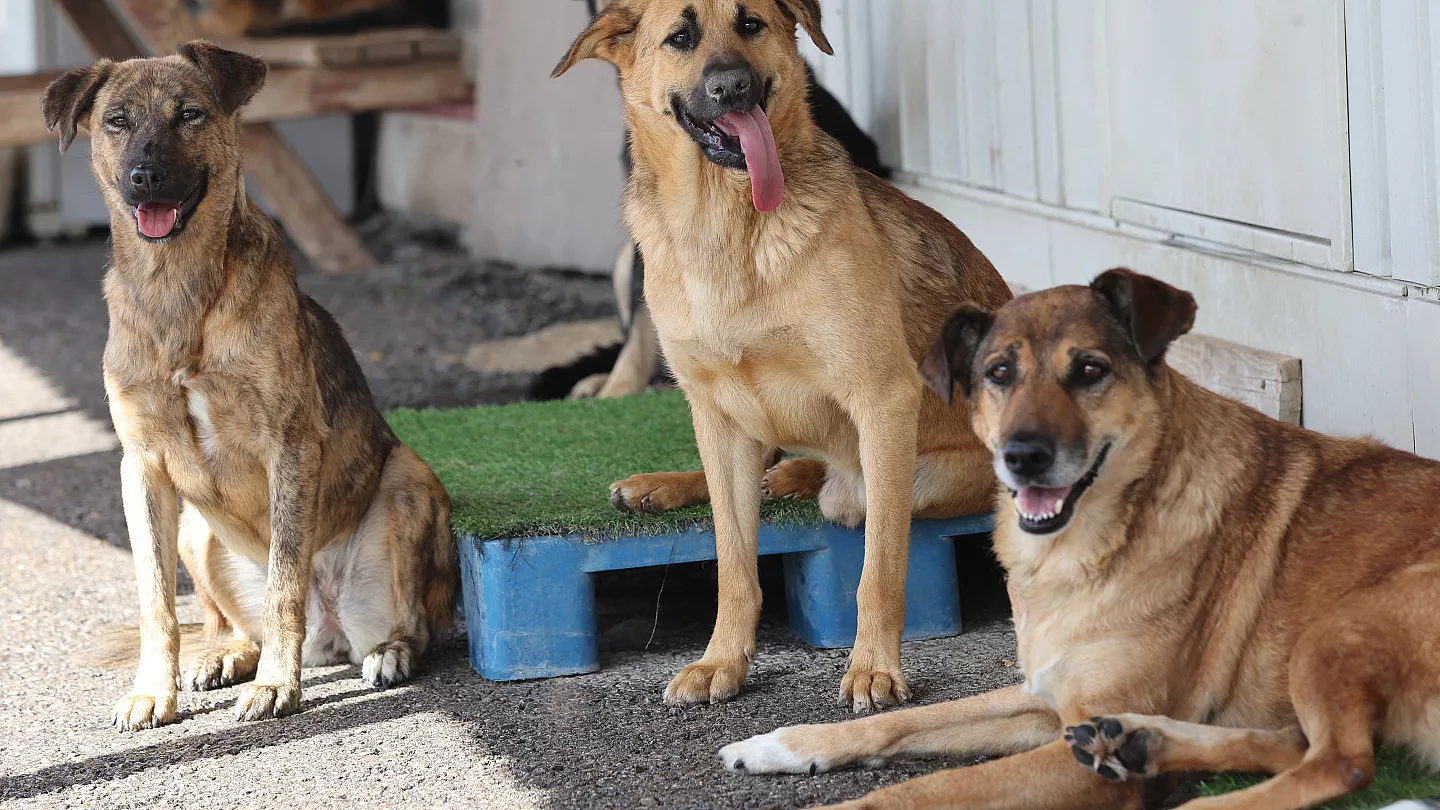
(449, 738)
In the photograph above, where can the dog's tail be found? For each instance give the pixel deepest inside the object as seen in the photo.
(120, 646)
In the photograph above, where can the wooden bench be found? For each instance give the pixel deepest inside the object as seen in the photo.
(309, 76)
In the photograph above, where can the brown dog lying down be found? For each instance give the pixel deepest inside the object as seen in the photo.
(311, 532)
(1197, 578)
(793, 295)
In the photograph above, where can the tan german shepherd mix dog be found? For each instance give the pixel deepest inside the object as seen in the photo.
(1205, 588)
(793, 295)
(310, 531)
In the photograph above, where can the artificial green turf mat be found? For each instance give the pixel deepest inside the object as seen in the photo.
(545, 468)
(1398, 776)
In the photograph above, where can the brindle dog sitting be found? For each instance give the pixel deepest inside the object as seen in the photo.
(311, 532)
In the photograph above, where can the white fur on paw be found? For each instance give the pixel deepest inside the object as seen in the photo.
(766, 753)
(387, 665)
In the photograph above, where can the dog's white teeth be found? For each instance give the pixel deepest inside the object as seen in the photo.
(1059, 506)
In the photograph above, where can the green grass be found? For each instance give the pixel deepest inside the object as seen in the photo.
(545, 468)
(1398, 776)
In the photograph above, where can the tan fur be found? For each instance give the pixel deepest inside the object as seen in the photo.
(798, 328)
(234, 392)
(1226, 578)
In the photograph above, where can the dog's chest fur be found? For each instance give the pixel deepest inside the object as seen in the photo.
(187, 381)
(739, 302)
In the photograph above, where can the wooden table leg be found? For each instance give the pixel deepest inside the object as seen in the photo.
(278, 173)
(301, 205)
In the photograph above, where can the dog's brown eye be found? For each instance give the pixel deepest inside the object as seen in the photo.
(1089, 372)
(680, 39)
(117, 121)
(192, 115)
(999, 373)
(749, 26)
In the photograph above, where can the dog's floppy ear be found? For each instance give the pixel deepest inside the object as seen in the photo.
(952, 355)
(807, 13)
(606, 38)
(69, 99)
(1153, 312)
(234, 77)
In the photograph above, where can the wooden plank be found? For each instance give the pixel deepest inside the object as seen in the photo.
(288, 93)
(1266, 381)
(296, 92)
(100, 30)
(330, 244)
(372, 47)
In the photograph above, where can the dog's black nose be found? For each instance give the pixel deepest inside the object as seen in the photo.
(147, 176)
(1028, 454)
(731, 84)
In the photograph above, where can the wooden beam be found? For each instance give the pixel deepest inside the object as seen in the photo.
(330, 244)
(288, 93)
(104, 33)
(373, 47)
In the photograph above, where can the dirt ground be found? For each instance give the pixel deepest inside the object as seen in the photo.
(449, 738)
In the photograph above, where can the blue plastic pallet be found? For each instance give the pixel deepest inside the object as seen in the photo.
(530, 602)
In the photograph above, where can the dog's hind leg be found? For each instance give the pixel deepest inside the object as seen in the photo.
(1369, 665)
(214, 573)
(1046, 777)
(408, 525)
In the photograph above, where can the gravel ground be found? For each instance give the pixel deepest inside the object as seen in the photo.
(449, 738)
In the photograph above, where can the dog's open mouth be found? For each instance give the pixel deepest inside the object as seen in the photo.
(740, 140)
(1045, 510)
(158, 221)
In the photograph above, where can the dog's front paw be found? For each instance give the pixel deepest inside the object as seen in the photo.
(1107, 746)
(868, 687)
(658, 492)
(707, 681)
(388, 664)
(260, 701)
(139, 710)
(770, 753)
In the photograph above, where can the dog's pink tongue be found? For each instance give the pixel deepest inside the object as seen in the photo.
(156, 219)
(762, 161)
(1041, 500)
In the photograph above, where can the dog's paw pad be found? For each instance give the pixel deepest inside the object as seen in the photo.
(1106, 747)
(388, 664)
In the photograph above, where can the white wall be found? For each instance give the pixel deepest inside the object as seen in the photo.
(548, 150)
(1276, 157)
